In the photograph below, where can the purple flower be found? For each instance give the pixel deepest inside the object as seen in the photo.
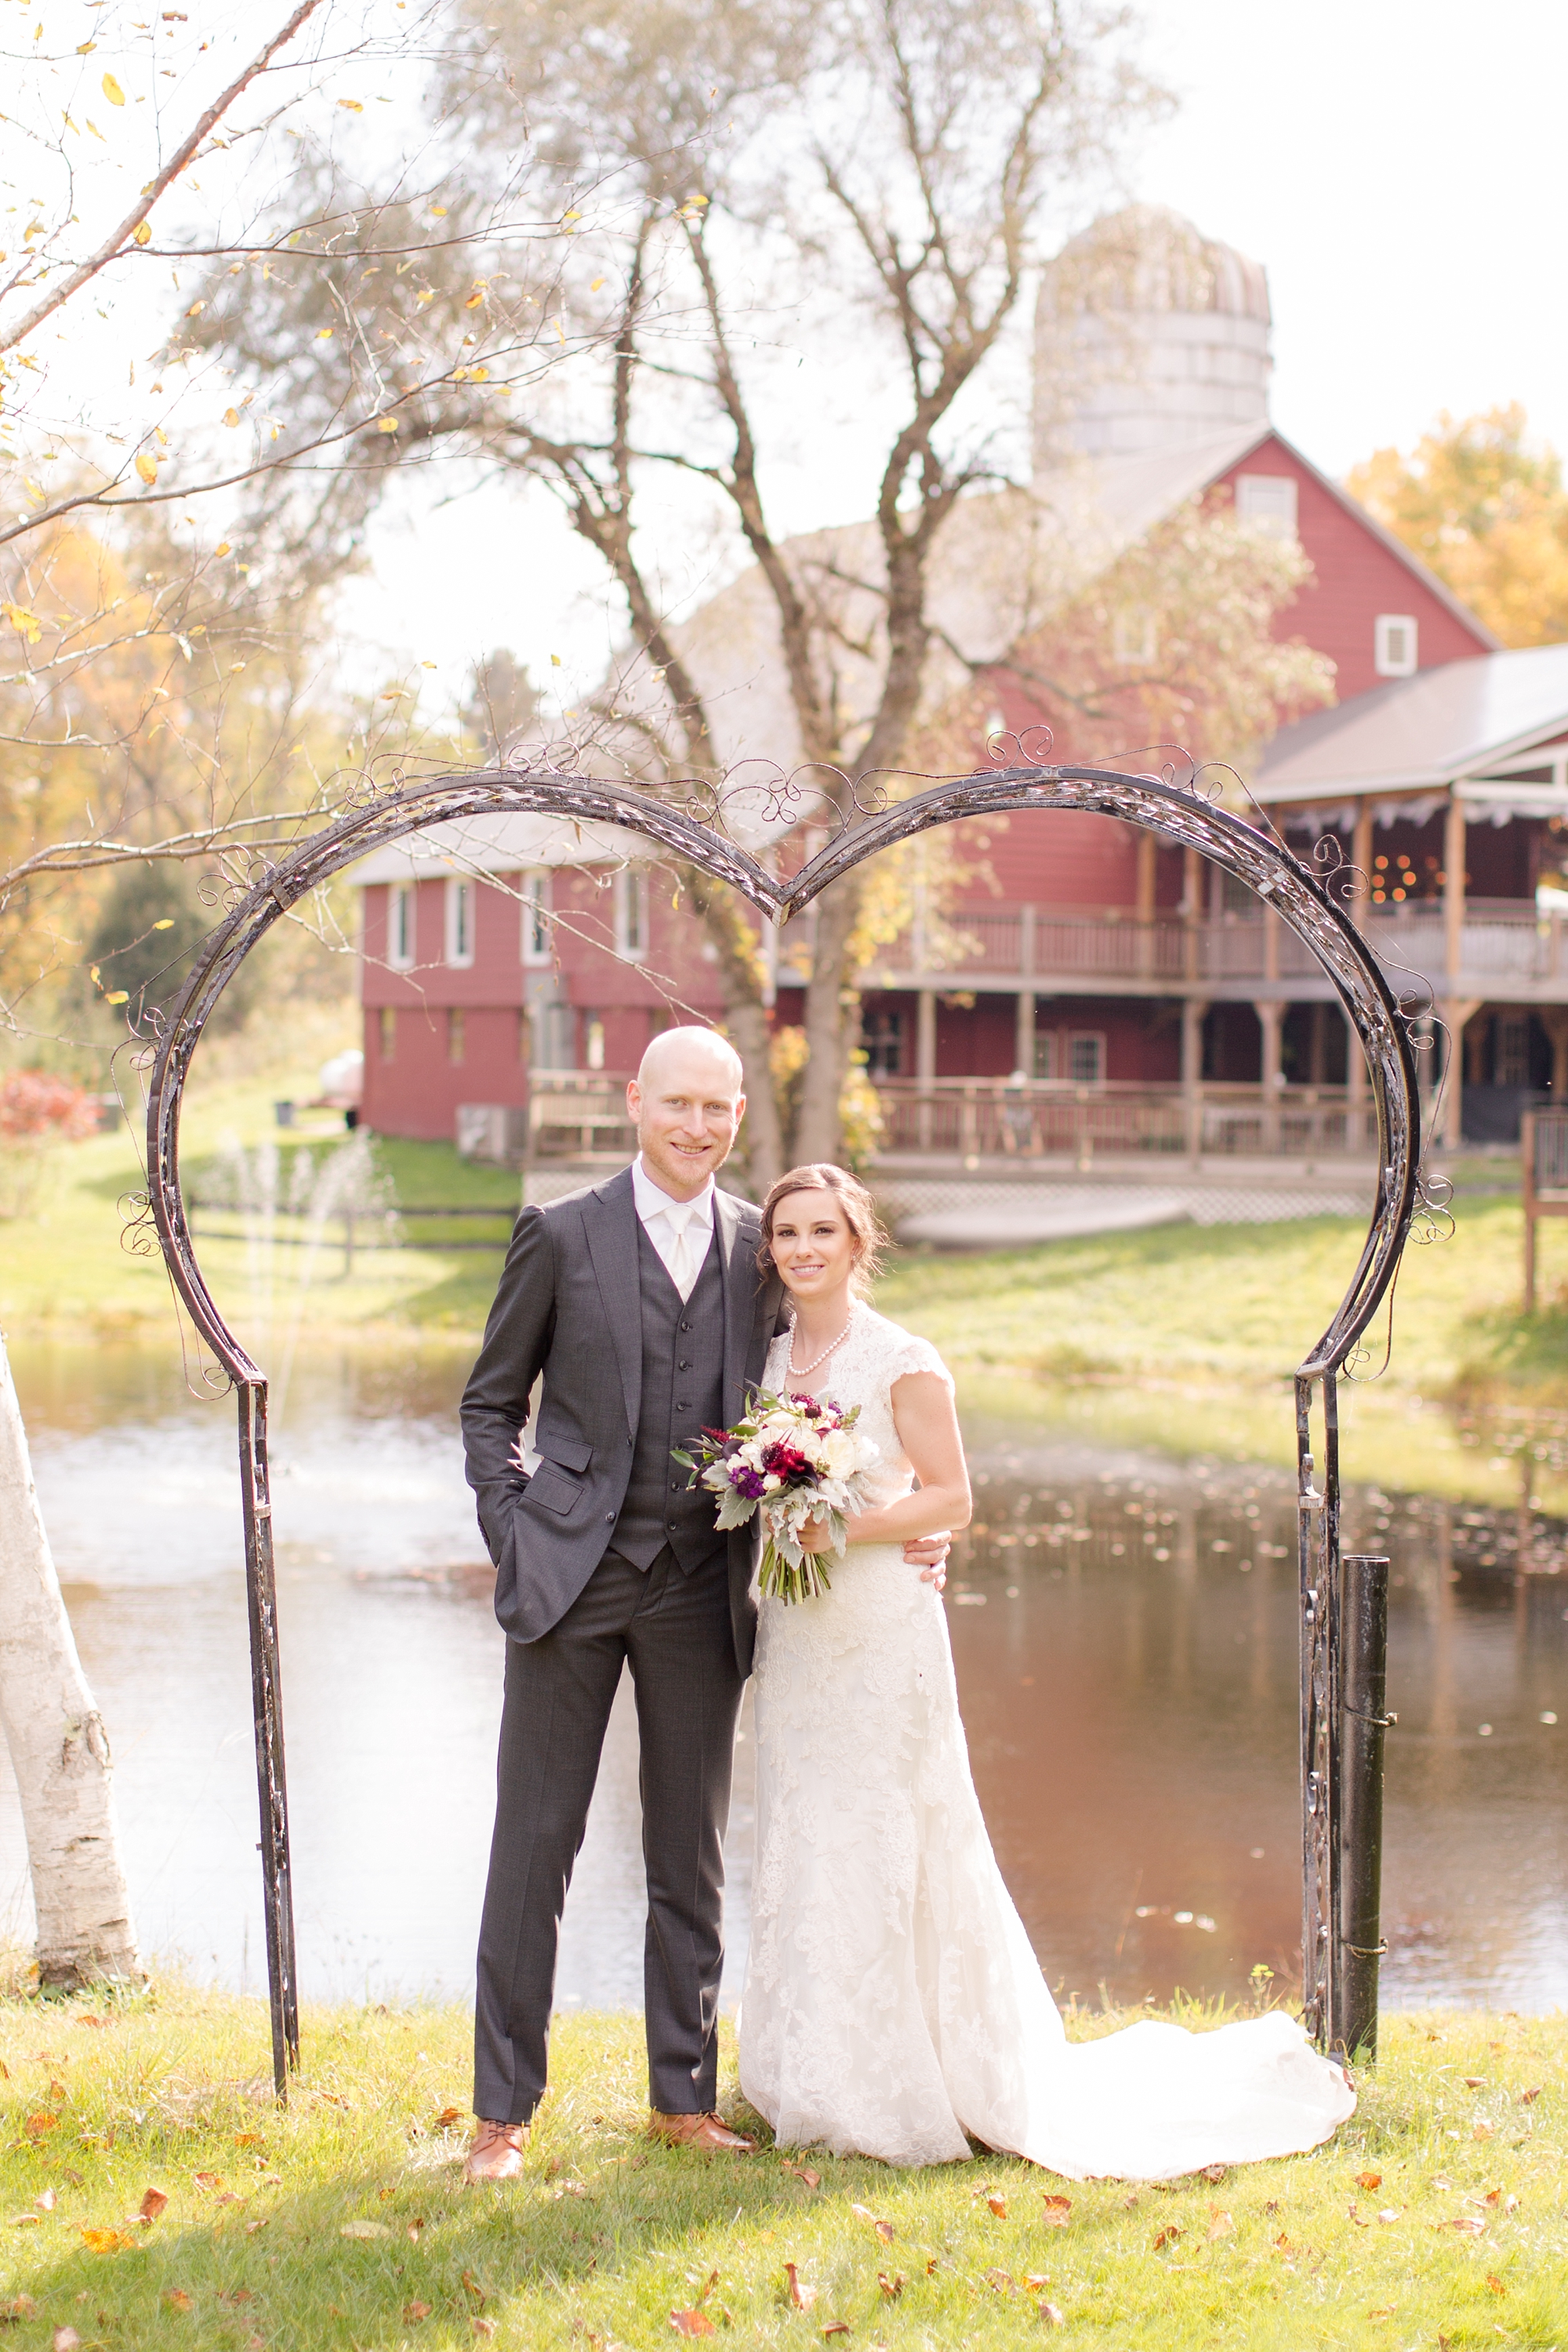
(748, 1482)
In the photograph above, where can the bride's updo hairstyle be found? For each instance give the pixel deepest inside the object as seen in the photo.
(859, 1214)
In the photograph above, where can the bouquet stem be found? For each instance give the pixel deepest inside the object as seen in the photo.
(783, 1580)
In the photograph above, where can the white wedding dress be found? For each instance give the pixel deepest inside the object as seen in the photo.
(893, 2004)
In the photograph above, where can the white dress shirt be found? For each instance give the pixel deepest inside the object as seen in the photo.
(681, 1231)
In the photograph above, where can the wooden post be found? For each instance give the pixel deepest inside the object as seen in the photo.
(1363, 1683)
(1270, 1019)
(1147, 850)
(1024, 1042)
(1527, 1197)
(925, 1062)
(1193, 1011)
(1360, 858)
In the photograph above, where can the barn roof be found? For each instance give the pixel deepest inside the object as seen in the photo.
(1464, 718)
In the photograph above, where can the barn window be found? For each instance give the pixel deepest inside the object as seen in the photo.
(1134, 639)
(459, 922)
(400, 926)
(536, 943)
(883, 1037)
(593, 1041)
(1267, 503)
(1086, 1057)
(631, 913)
(1394, 643)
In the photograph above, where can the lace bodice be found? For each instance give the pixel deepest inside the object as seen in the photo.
(875, 1355)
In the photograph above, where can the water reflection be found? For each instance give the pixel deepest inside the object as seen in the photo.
(1125, 1630)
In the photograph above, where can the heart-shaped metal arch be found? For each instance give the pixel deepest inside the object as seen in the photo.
(1172, 811)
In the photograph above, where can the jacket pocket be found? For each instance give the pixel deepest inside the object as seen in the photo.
(555, 1489)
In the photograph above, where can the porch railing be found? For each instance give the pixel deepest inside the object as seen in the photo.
(1502, 940)
(972, 1119)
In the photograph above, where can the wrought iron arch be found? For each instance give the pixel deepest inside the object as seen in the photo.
(1170, 810)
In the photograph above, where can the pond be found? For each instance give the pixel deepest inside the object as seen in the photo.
(1125, 1632)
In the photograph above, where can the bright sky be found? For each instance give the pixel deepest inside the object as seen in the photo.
(1397, 166)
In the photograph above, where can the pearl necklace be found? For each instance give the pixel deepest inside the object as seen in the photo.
(803, 1371)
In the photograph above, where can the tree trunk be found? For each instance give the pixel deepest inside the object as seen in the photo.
(831, 1024)
(58, 1748)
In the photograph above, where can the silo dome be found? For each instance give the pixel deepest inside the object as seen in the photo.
(1148, 336)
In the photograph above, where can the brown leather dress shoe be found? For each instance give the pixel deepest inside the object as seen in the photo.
(496, 2151)
(699, 2131)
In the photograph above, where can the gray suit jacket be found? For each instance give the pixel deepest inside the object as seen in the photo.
(568, 1307)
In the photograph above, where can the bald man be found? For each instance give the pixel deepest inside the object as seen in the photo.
(640, 1302)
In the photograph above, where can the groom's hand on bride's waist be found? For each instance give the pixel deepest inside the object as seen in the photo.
(928, 1554)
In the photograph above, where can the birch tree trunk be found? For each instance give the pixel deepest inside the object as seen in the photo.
(59, 1751)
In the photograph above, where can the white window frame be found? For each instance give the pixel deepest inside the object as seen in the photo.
(462, 907)
(1095, 1040)
(1387, 660)
(1267, 502)
(631, 913)
(1135, 638)
(537, 931)
(402, 920)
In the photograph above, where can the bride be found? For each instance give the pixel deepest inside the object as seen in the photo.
(893, 2006)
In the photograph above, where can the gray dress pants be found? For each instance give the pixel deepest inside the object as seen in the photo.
(674, 1631)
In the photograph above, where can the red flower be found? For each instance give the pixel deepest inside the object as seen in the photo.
(786, 1462)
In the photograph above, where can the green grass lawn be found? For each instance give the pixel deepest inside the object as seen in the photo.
(1434, 2219)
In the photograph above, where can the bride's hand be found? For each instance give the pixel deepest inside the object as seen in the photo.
(814, 1536)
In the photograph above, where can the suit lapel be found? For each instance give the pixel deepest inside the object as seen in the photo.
(610, 1221)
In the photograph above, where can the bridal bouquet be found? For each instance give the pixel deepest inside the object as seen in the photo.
(793, 1459)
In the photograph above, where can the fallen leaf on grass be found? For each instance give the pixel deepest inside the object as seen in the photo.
(884, 2229)
(692, 2323)
(1469, 2225)
(801, 2297)
(1215, 2173)
(1384, 2311)
(177, 2299)
(26, 2221)
(997, 2203)
(414, 2312)
(1482, 2131)
(804, 2172)
(475, 2289)
(364, 2230)
(1510, 2203)
(1369, 2180)
(65, 2339)
(483, 2326)
(447, 2116)
(891, 2287)
(1058, 2213)
(837, 2327)
(1283, 2246)
(1475, 2082)
(933, 2266)
(416, 2227)
(46, 2202)
(208, 2180)
(36, 2125)
(107, 2242)
(1052, 2314)
(23, 2307)
(1528, 2098)
(1496, 2284)
(1220, 2225)
(1000, 2279)
(1168, 2236)
(1391, 2214)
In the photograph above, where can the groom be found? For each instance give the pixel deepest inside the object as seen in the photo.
(640, 1303)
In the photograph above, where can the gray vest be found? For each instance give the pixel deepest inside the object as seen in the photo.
(682, 1393)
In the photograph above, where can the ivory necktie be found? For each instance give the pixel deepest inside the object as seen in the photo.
(683, 1259)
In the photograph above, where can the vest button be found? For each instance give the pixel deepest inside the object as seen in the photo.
(609, 1518)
